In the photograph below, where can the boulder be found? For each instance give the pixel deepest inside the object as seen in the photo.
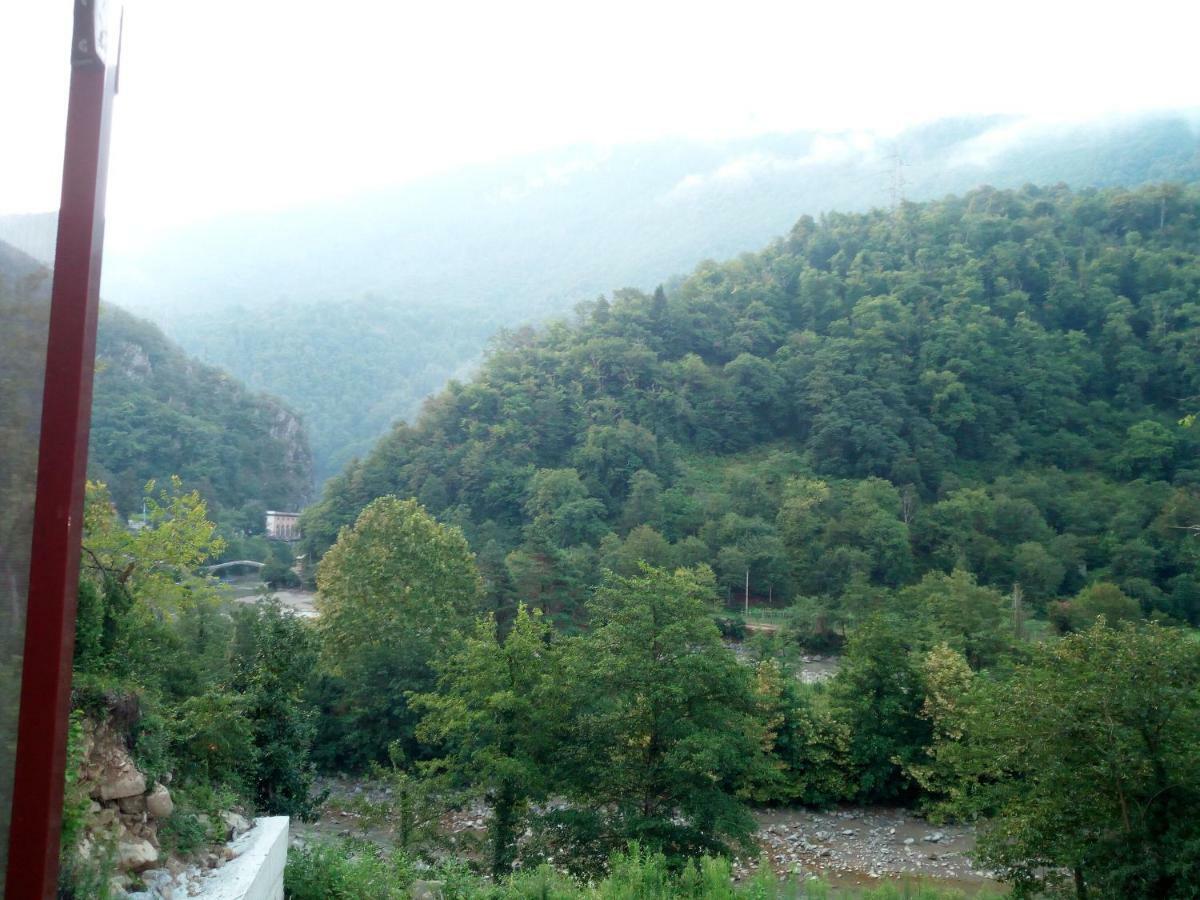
(136, 855)
(236, 824)
(123, 782)
(108, 769)
(105, 817)
(159, 803)
(133, 806)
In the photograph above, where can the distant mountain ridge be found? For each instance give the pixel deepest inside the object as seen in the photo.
(391, 293)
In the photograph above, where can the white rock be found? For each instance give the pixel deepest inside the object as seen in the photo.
(136, 855)
(159, 803)
(126, 783)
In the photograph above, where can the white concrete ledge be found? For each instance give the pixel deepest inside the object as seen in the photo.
(257, 871)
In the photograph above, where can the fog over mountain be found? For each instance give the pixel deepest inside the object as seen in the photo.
(355, 311)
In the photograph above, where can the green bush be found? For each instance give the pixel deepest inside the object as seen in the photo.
(732, 628)
(185, 832)
(215, 738)
(358, 870)
(351, 870)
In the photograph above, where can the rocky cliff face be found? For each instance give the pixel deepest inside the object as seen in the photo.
(121, 827)
(288, 430)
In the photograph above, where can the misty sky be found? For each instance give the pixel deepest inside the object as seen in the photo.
(230, 105)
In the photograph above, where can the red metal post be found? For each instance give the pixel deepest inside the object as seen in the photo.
(62, 463)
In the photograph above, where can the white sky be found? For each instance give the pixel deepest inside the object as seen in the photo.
(230, 105)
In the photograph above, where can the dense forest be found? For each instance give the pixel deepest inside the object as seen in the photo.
(945, 441)
(159, 413)
(990, 383)
(399, 290)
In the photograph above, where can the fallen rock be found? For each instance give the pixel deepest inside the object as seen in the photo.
(132, 806)
(125, 782)
(237, 825)
(159, 803)
(134, 856)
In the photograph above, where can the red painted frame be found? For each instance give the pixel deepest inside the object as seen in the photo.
(62, 463)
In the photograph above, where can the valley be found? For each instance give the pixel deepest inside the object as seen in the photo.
(758, 574)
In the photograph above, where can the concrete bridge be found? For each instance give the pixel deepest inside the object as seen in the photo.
(221, 567)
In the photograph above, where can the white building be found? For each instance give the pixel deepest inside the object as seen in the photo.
(283, 526)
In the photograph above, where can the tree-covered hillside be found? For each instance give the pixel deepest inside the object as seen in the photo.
(397, 291)
(991, 383)
(158, 413)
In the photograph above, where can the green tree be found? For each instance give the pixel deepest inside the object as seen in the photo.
(973, 619)
(394, 591)
(665, 721)
(642, 545)
(644, 504)
(1097, 599)
(878, 693)
(1147, 452)
(160, 558)
(277, 661)
(809, 746)
(948, 679)
(1037, 570)
(560, 511)
(1086, 765)
(492, 715)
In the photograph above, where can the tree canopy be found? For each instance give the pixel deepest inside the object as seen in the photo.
(394, 591)
(990, 383)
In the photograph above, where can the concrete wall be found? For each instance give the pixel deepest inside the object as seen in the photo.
(257, 872)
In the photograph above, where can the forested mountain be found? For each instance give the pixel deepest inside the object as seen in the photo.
(394, 292)
(991, 382)
(159, 413)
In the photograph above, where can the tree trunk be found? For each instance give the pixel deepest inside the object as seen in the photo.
(503, 832)
(1081, 891)
(747, 601)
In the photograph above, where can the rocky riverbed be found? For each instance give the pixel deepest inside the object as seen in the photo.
(864, 846)
(809, 668)
(847, 846)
